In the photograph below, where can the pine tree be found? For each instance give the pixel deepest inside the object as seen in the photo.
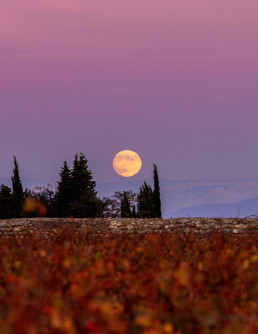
(18, 196)
(85, 202)
(64, 194)
(145, 202)
(156, 194)
(82, 177)
(125, 206)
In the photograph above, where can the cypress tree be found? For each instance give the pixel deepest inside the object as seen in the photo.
(18, 196)
(63, 197)
(125, 206)
(156, 193)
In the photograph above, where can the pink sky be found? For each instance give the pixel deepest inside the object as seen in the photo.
(176, 81)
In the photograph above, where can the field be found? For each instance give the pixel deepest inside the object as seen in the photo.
(80, 283)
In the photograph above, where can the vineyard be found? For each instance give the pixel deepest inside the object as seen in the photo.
(163, 283)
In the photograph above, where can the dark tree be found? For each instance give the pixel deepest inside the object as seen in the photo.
(84, 196)
(125, 206)
(6, 202)
(156, 194)
(81, 177)
(45, 197)
(146, 207)
(106, 205)
(18, 195)
(134, 214)
(64, 194)
(119, 204)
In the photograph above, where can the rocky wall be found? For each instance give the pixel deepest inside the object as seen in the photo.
(104, 226)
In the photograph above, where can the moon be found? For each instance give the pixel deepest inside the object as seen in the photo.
(127, 163)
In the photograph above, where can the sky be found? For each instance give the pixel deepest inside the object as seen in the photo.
(174, 80)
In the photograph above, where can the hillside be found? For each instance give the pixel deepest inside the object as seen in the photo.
(238, 209)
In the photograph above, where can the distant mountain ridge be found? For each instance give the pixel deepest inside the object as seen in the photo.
(182, 198)
(238, 209)
(27, 182)
(209, 198)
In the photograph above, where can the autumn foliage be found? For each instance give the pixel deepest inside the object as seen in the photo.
(79, 283)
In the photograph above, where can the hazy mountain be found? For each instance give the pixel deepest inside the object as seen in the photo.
(238, 209)
(184, 197)
(214, 197)
(26, 182)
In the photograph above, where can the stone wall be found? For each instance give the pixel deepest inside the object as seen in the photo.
(51, 226)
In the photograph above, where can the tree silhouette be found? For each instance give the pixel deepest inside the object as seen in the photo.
(84, 196)
(121, 203)
(6, 202)
(145, 202)
(125, 206)
(156, 193)
(64, 193)
(18, 195)
(39, 202)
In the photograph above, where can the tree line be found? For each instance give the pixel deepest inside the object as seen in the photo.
(76, 196)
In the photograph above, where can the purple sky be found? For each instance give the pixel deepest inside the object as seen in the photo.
(175, 81)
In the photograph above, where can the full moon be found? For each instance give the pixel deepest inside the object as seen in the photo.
(127, 163)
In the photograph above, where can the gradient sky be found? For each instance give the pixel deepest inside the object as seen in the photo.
(174, 80)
